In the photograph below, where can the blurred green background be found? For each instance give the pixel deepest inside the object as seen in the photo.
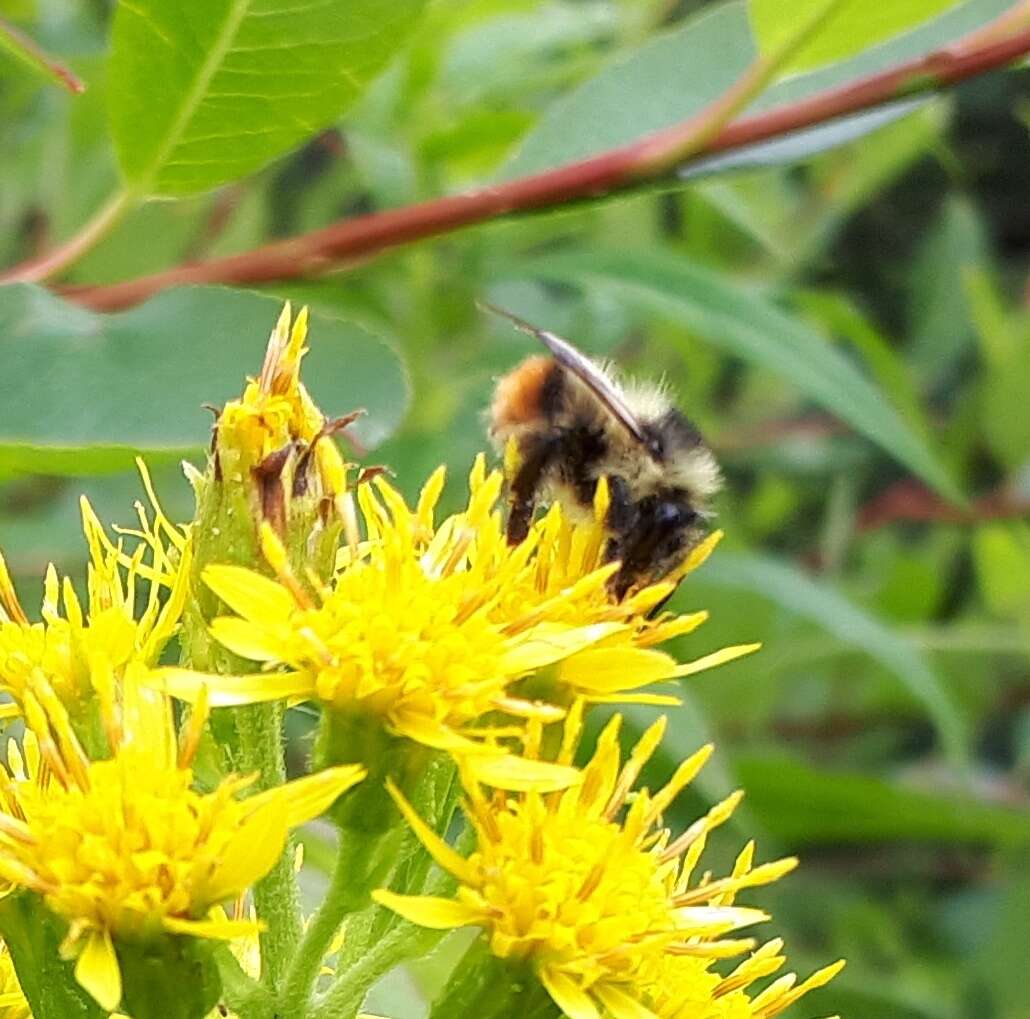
(849, 329)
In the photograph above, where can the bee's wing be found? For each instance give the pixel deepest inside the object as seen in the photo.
(584, 369)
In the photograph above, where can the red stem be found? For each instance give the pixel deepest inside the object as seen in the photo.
(350, 241)
(911, 501)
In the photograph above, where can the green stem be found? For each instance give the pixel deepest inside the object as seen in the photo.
(378, 939)
(22, 48)
(670, 148)
(359, 867)
(276, 898)
(244, 995)
(345, 998)
(105, 219)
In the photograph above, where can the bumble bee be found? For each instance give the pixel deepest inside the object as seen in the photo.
(572, 422)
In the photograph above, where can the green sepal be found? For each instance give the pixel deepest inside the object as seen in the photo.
(346, 737)
(169, 977)
(490, 988)
(34, 935)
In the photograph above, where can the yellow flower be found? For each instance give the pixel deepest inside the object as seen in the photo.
(125, 847)
(599, 897)
(81, 653)
(273, 432)
(566, 579)
(430, 626)
(409, 633)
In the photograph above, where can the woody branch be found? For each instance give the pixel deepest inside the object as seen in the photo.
(652, 158)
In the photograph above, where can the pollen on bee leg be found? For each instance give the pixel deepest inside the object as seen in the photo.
(512, 458)
(602, 500)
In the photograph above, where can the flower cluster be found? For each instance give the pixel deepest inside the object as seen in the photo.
(431, 627)
(136, 833)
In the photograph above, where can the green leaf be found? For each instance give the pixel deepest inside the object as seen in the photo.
(940, 322)
(857, 25)
(1001, 552)
(84, 392)
(1000, 964)
(673, 76)
(741, 322)
(34, 936)
(839, 313)
(802, 806)
(1005, 345)
(827, 608)
(663, 82)
(207, 91)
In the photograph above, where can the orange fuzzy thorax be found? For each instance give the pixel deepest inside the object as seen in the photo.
(518, 394)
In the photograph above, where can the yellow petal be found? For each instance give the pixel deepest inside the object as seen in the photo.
(607, 670)
(718, 919)
(516, 774)
(723, 655)
(551, 642)
(620, 1004)
(538, 710)
(698, 554)
(97, 970)
(252, 853)
(685, 773)
(305, 798)
(817, 979)
(676, 626)
(431, 733)
(246, 639)
(435, 846)
(250, 594)
(429, 910)
(652, 699)
(430, 496)
(219, 929)
(231, 691)
(568, 995)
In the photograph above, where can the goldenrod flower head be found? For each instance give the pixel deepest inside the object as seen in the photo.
(409, 632)
(81, 652)
(566, 579)
(588, 887)
(276, 417)
(125, 847)
(12, 1001)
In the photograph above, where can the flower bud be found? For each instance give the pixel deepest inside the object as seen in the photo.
(273, 462)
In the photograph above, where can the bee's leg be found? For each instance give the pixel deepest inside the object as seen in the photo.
(537, 456)
(622, 522)
(621, 518)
